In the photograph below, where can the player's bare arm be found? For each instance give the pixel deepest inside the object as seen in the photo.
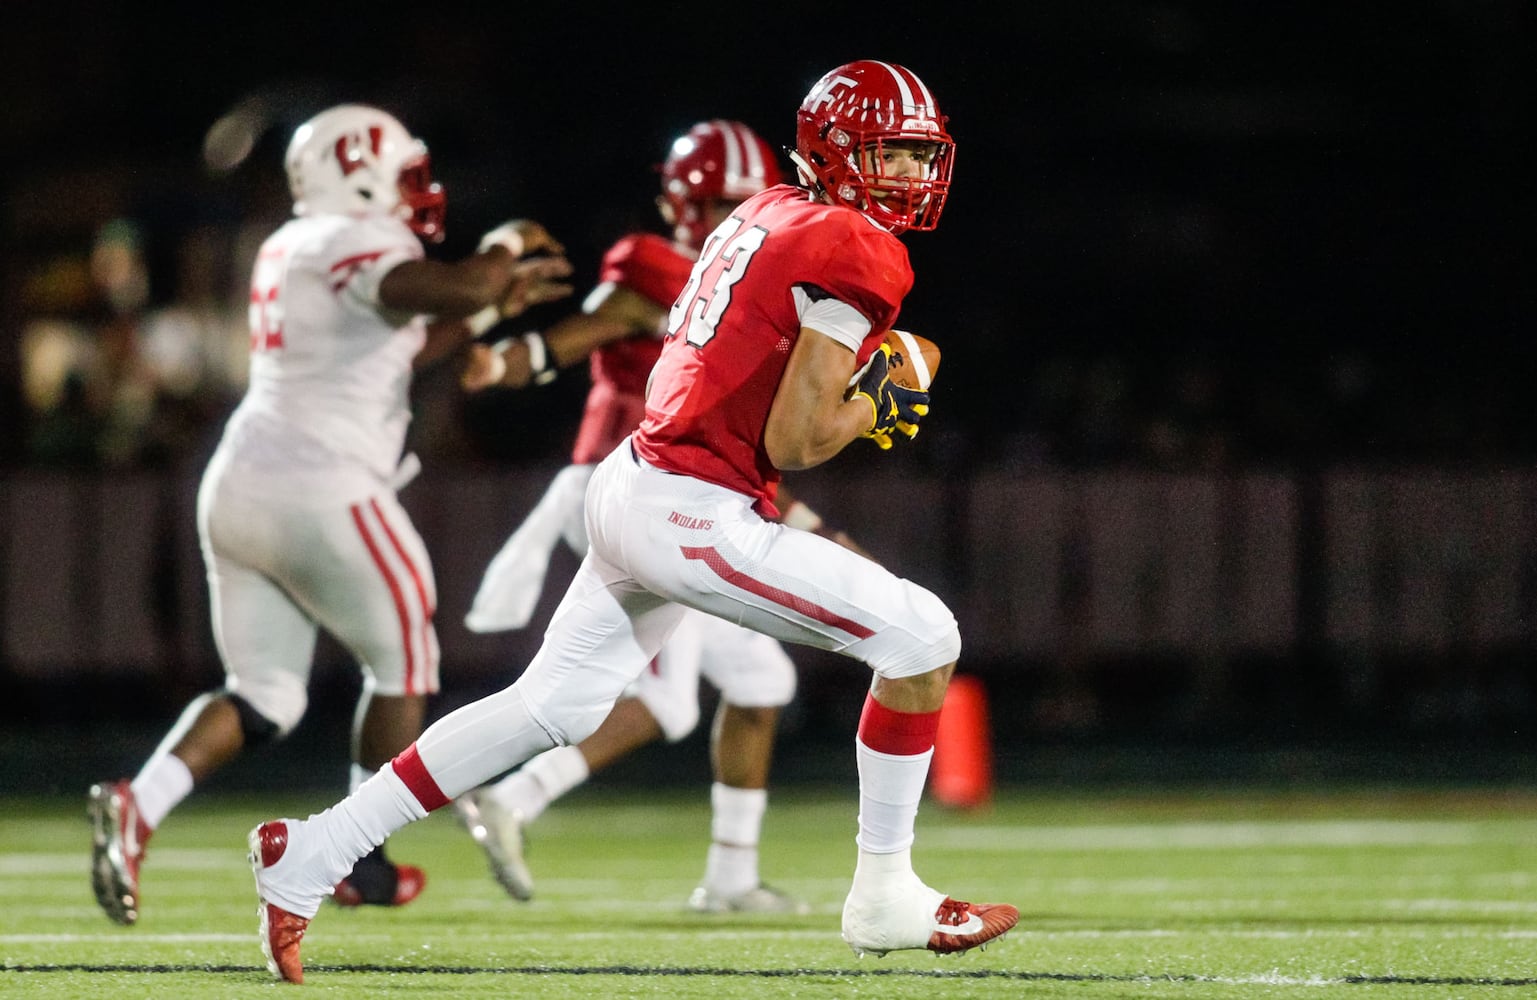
(619, 313)
(529, 282)
(810, 421)
(462, 288)
(612, 312)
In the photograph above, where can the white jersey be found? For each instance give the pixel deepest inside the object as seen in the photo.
(325, 415)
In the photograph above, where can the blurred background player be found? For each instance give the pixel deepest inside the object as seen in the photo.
(708, 172)
(298, 517)
(774, 361)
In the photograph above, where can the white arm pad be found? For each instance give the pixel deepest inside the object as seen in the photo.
(505, 235)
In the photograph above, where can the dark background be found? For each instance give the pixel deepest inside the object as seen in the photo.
(1322, 209)
(1183, 236)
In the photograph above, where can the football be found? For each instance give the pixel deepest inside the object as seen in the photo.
(914, 360)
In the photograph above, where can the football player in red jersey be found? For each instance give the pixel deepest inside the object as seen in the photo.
(773, 361)
(298, 517)
(708, 172)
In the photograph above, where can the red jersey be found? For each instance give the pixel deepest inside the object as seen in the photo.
(732, 328)
(657, 269)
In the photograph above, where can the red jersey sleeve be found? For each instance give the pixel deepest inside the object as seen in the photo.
(647, 264)
(656, 269)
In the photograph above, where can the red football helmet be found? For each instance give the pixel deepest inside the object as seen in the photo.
(843, 128)
(715, 160)
(358, 160)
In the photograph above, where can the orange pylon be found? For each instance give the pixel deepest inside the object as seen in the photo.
(961, 773)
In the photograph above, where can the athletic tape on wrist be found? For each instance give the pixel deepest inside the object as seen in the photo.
(504, 235)
(498, 366)
(541, 364)
(483, 320)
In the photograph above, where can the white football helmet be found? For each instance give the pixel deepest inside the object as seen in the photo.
(358, 160)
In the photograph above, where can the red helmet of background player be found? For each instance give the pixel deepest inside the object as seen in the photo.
(715, 160)
(358, 160)
(869, 104)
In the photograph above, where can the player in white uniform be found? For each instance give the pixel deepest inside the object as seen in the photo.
(297, 513)
(707, 173)
(774, 360)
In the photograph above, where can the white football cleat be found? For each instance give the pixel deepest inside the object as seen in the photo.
(912, 916)
(118, 836)
(499, 832)
(280, 927)
(759, 899)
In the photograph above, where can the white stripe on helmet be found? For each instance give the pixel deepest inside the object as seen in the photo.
(916, 98)
(733, 144)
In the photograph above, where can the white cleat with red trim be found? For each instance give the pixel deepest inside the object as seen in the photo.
(904, 914)
(291, 883)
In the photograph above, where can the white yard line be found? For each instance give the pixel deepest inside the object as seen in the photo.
(1240, 835)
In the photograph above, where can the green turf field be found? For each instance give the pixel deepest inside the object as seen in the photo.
(1366, 894)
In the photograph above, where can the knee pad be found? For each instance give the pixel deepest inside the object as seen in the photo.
(675, 709)
(924, 637)
(758, 674)
(254, 727)
(271, 708)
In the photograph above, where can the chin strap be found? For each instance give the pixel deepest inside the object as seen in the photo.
(808, 176)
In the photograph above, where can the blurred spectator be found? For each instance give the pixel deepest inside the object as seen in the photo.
(110, 381)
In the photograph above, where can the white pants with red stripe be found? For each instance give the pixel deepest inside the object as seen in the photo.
(278, 572)
(662, 543)
(750, 670)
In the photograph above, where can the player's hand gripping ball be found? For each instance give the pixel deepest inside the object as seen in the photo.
(895, 382)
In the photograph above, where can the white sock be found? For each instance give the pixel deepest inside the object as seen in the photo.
(890, 788)
(322, 850)
(876, 873)
(730, 870)
(541, 781)
(731, 866)
(160, 786)
(737, 814)
(360, 822)
(356, 776)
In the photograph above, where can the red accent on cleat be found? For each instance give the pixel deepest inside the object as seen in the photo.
(982, 922)
(274, 841)
(281, 933)
(409, 882)
(118, 837)
(412, 881)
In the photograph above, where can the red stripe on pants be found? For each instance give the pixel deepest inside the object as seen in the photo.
(737, 578)
(400, 599)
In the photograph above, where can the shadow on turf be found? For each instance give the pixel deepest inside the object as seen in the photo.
(638, 970)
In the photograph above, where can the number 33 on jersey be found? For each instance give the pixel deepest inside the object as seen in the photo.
(722, 262)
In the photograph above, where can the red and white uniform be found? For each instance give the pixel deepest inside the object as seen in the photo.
(750, 670)
(734, 326)
(297, 513)
(673, 516)
(656, 269)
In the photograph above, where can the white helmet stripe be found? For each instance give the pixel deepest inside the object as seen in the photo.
(744, 158)
(906, 84)
(753, 152)
(733, 144)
